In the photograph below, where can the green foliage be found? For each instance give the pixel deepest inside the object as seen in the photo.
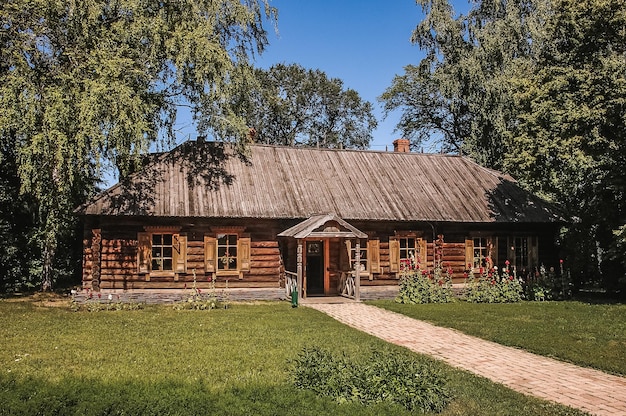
(95, 303)
(420, 286)
(493, 287)
(293, 106)
(93, 83)
(535, 88)
(384, 377)
(198, 300)
(547, 284)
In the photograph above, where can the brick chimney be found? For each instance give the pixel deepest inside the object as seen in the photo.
(401, 145)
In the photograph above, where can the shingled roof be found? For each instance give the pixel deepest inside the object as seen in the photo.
(198, 179)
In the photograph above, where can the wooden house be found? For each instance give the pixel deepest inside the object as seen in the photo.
(328, 221)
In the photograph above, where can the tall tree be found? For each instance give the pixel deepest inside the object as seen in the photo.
(536, 88)
(293, 106)
(87, 81)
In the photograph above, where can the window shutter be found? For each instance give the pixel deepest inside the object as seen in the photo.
(144, 252)
(210, 252)
(394, 255)
(180, 253)
(373, 251)
(469, 253)
(423, 252)
(244, 254)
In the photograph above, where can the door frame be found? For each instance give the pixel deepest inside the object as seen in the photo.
(325, 257)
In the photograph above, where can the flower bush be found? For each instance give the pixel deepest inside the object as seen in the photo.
(493, 287)
(548, 284)
(199, 300)
(424, 286)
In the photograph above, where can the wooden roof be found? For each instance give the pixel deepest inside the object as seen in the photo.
(199, 179)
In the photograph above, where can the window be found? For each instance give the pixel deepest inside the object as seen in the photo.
(519, 252)
(227, 252)
(408, 253)
(162, 252)
(481, 251)
(364, 258)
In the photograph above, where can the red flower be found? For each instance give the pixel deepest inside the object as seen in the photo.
(465, 275)
(99, 295)
(199, 290)
(511, 278)
(507, 262)
(493, 282)
(185, 285)
(469, 265)
(481, 270)
(424, 272)
(561, 261)
(440, 283)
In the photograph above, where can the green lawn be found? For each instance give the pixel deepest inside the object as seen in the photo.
(227, 362)
(585, 334)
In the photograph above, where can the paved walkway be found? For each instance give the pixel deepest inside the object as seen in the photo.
(583, 388)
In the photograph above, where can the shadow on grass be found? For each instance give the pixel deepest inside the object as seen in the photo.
(75, 396)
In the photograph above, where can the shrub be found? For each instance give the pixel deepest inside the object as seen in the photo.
(385, 377)
(548, 285)
(492, 287)
(420, 286)
(198, 300)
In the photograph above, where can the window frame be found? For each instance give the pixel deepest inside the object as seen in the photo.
(145, 244)
(363, 248)
(213, 262)
(162, 258)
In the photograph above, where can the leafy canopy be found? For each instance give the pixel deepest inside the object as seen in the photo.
(82, 82)
(536, 88)
(293, 106)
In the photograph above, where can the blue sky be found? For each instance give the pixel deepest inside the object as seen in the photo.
(364, 43)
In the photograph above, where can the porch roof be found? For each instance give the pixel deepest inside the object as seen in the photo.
(323, 226)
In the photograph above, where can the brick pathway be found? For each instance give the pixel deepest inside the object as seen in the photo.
(583, 388)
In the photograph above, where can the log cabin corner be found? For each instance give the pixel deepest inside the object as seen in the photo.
(327, 222)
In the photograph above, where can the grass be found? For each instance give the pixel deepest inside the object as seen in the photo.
(592, 335)
(227, 362)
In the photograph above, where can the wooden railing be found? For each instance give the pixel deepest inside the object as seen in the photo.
(291, 282)
(347, 285)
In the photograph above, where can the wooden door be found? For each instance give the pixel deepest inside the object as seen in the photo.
(315, 266)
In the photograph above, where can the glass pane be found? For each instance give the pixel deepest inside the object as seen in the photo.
(233, 251)
(167, 239)
(221, 251)
(232, 239)
(411, 243)
(167, 264)
(156, 251)
(222, 240)
(403, 243)
(156, 239)
(156, 264)
(167, 252)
